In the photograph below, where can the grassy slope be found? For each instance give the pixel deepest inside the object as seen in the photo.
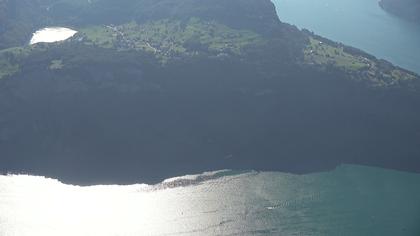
(169, 39)
(184, 35)
(174, 39)
(360, 67)
(164, 38)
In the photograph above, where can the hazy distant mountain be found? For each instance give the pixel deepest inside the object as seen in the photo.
(150, 89)
(408, 9)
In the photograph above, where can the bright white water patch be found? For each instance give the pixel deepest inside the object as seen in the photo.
(350, 200)
(53, 34)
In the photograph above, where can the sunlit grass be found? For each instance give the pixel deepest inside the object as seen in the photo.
(169, 39)
(375, 72)
(322, 53)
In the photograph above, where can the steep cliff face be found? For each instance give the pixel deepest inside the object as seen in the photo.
(407, 9)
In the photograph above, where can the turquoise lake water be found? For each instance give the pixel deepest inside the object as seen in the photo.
(348, 201)
(359, 23)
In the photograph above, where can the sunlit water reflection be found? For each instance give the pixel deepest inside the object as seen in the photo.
(53, 34)
(350, 200)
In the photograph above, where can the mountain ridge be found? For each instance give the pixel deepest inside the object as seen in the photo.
(152, 98)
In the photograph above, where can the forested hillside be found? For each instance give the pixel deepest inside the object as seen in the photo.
(151, 89)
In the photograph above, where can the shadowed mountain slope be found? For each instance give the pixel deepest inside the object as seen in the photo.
(152, 89)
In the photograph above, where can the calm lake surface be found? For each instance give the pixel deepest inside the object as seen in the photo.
(351, 200)
(359, 23)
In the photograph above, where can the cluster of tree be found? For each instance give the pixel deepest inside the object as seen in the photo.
(18, 20)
